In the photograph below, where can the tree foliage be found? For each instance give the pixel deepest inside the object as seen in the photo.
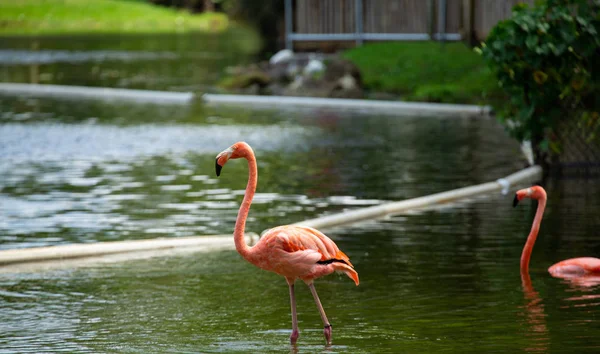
(264, 15)
(547, 59)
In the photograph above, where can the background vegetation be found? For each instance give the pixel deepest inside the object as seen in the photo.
(26, 17)
(426, 71)
(546, 58)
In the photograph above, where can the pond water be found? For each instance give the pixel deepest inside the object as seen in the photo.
(160, 62)
(443, 280)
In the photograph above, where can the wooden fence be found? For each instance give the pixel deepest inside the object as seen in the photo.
(486, 13)
(330, 20)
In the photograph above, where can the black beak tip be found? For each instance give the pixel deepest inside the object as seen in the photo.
(218, 168)
(515, 201)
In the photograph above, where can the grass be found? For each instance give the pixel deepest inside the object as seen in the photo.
(47, 17)
(426, 71)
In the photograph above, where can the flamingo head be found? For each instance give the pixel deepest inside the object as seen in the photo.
(535, 192)
(235, 151)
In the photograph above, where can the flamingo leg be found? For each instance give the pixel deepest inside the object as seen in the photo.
(295, 332)
(327, 329)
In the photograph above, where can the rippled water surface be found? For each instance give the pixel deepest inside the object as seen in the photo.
(104, 177)
(443, 280)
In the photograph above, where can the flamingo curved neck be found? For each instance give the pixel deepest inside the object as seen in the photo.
(526, 280)
(535, 228)
(240, 224)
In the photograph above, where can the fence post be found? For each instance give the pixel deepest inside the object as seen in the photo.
(468, 22)
(431, 19)
(288, 24)
(358, 19)
(442, 20)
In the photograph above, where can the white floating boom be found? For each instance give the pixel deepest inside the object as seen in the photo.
(77, 254)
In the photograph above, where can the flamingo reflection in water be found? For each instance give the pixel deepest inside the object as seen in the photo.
(535, 315)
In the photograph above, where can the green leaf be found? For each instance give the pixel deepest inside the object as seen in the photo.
(531, 41)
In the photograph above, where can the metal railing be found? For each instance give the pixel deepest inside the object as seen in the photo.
(359, 35)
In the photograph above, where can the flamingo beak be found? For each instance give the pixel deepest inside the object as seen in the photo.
(515, 201)
(218, 167)
(222, 158)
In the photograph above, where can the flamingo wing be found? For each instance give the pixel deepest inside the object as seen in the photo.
(300, 238)
(305, 252)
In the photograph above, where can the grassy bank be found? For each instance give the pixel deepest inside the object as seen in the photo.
(41, 17)
(426, 71)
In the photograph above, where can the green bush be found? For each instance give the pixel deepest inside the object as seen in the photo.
(547, 59)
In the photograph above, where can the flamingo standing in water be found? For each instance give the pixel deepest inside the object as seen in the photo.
(294, 252)
(570, 268)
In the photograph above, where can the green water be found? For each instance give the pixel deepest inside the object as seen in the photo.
(191, 62)
(443, 280)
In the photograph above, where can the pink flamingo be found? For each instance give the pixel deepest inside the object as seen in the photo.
(570, 268)
(294, 252)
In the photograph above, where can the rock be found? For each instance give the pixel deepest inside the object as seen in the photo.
(284, 71)
(346, 87)
(299, 74)
(279, 73)
(338, 67)
(282, 56)
(307, 87)
(347, 82)
(245, 80)
(253, 89)
(314, 68)
(297, 84)
(275, 89)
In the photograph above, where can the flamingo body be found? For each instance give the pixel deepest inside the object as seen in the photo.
(298, 252)
(295, 252)
(576, 267)
(570, 268)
